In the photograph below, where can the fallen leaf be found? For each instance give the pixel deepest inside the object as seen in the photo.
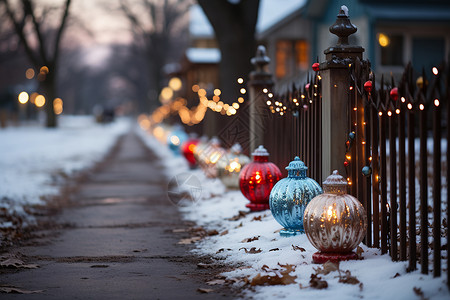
(396, 275)
(257, 218)
(216, 282)
(359, 252)
(419, 292)
(252, 250)
(348, 278)
(213, 232)
(240, 225)
(240, 215)
(317, 282)
(274, 249)
(189, 240)
(248, 240)
(297, 248)
(178, 230)
(14, 290)
(224, 232)
(327, 268)
(205, 291)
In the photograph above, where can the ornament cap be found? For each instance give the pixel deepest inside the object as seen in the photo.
(297, 168)
(260, 151)
(335, 184)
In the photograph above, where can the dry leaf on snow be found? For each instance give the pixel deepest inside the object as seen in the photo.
(297, 248)
(252, 250)
(248, 240)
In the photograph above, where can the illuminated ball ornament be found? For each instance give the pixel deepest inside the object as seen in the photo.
(366, 170)
(258, 178)
(188, 148)
(230, 165)
(335, 222)
(175, 139)
(290, 196)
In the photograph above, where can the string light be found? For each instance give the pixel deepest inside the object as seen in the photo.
(435, 70)
(409, 105)
(436, 102)
(421, 106)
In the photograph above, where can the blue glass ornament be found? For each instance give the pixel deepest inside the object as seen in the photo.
(366, 170)
(290, 196)
(175, 139)
(351, 135)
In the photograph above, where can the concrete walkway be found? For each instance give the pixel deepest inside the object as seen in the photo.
(115, 239)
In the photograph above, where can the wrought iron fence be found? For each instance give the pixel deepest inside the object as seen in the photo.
(394, 160)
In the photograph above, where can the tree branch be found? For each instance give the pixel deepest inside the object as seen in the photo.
(19, 28)
(59, 34)
(29, 10)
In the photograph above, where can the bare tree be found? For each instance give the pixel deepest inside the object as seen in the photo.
(234, 24)
(154, 25)
(26, 16)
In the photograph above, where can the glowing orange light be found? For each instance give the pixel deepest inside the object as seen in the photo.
(421, 107)
(258, 177)
(436, 102)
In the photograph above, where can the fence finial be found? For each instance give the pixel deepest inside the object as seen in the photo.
(343, 27)
(261, 60)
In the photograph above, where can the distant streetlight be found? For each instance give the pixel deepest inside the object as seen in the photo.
(23, 97)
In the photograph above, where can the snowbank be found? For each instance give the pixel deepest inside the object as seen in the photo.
(250, 243)
(34, 160)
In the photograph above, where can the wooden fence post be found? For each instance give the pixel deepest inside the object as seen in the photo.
(335, 94)
(260, 78)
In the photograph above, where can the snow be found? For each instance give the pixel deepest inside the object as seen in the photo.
(35, 160)
(203, 55)
(380, 277)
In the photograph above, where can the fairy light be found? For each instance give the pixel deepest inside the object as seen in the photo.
(355, 108)
(240, 80)
(265, 91)
(269, 102)
(421, 106)
(351, 88)
(380, 113)
(436, 102)
(435, 71)
(403, 99)
(243, 91)
(241, 100)
(389, 113)
(270, 95)
(409, 105)
(397, 111)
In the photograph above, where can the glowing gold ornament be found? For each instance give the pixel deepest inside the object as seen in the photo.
(335, 222)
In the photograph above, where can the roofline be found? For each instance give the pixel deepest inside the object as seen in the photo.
(296, 13)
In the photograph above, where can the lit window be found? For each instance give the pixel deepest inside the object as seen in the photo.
(291, 56)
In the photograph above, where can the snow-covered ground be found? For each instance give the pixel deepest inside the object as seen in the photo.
(251, 245)
(34, 160)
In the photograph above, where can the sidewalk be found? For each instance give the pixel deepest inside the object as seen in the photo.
(115, 240)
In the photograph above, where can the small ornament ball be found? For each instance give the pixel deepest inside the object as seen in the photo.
(394, 94)
(307, 87)
(351, 135)
(315, 67)
(366, 170)
(368, 86)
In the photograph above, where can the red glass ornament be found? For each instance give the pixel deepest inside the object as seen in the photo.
(257, 180)
(315, 67)
(346, 163)
(187, 149)
(368, 86)
(394, 94)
